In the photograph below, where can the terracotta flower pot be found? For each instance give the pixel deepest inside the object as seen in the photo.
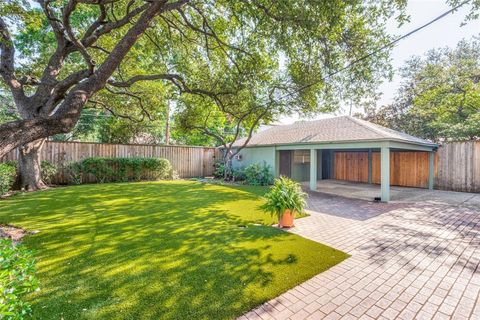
(287, 219)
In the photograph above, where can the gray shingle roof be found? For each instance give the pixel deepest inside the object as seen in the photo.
(338, 129)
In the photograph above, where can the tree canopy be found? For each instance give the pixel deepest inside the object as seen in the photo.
(439, 98)
(272, 56)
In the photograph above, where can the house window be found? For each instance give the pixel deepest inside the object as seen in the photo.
(301, 156)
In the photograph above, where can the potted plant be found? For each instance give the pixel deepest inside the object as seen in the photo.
(284, 199)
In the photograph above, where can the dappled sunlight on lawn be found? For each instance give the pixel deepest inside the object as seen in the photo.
(170, 250)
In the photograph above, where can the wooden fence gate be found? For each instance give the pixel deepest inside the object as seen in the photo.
(459, 166)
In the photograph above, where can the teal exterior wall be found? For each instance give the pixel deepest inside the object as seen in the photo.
(256, 155)
(301, 171)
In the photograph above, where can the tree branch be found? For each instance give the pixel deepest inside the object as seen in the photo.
(134, 79)
(66, 12)
(115, 114)
(7, 64)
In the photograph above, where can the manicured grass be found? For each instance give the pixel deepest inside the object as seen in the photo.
(162, 250)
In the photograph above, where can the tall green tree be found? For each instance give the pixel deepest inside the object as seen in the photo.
(439, 97)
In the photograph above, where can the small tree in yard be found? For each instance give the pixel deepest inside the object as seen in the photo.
(292, 71)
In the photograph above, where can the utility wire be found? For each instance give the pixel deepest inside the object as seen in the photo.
(378, 50)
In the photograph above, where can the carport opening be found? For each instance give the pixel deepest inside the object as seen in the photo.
(407, 168)
(295, 164)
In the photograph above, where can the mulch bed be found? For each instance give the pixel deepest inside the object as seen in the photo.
(12, 232)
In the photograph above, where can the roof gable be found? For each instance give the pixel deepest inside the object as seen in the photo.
(338, 129)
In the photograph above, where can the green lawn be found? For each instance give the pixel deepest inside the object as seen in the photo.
(161, 250)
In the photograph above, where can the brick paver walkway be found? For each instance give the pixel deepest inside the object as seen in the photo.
(409, 261)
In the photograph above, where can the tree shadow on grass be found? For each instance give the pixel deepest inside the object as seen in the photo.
(177, 250)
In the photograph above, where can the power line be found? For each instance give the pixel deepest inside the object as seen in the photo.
(379, 49)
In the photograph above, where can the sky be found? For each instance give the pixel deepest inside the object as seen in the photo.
(445, 32)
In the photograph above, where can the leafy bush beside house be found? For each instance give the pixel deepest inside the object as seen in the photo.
(17, 278)
(258, 174)
(119, 169)
(8, 172)
(236, 174)
(219, 171)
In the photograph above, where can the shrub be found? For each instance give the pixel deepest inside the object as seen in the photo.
(285, 194)
(47, 171)
(8, 172)
(219, 170)
(238, 175)
(73, 171)
(120, 169)
(259, 174)
(17, 278)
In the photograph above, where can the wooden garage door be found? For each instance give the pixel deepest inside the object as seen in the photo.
(351, 166)
(409, 169)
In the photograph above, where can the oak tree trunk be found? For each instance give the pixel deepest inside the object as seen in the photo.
(29, 166)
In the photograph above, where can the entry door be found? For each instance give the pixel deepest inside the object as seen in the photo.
(285, 163)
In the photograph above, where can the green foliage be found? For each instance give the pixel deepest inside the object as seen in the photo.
(238, 175)
(258, 174)
(8, 172)
(17, 278)
(219, 171)
(47, 171)
(88, 127)
(234, 175)
(284, 194)
(234, 64)
(7, 111)
(439, 98)
(120, 169)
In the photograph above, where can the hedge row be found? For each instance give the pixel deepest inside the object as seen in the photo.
(119, 169)
(99, 170)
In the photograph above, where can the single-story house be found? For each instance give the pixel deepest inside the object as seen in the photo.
(343, 148)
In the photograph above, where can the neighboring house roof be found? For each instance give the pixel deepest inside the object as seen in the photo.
(338, 129)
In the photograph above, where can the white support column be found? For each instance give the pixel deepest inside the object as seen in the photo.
(385, 173)
(313, 169)
(431, 170)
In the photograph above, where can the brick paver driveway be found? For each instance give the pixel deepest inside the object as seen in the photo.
(408, 261)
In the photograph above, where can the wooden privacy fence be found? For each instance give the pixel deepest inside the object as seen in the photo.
(188, 161)
(457, 167)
